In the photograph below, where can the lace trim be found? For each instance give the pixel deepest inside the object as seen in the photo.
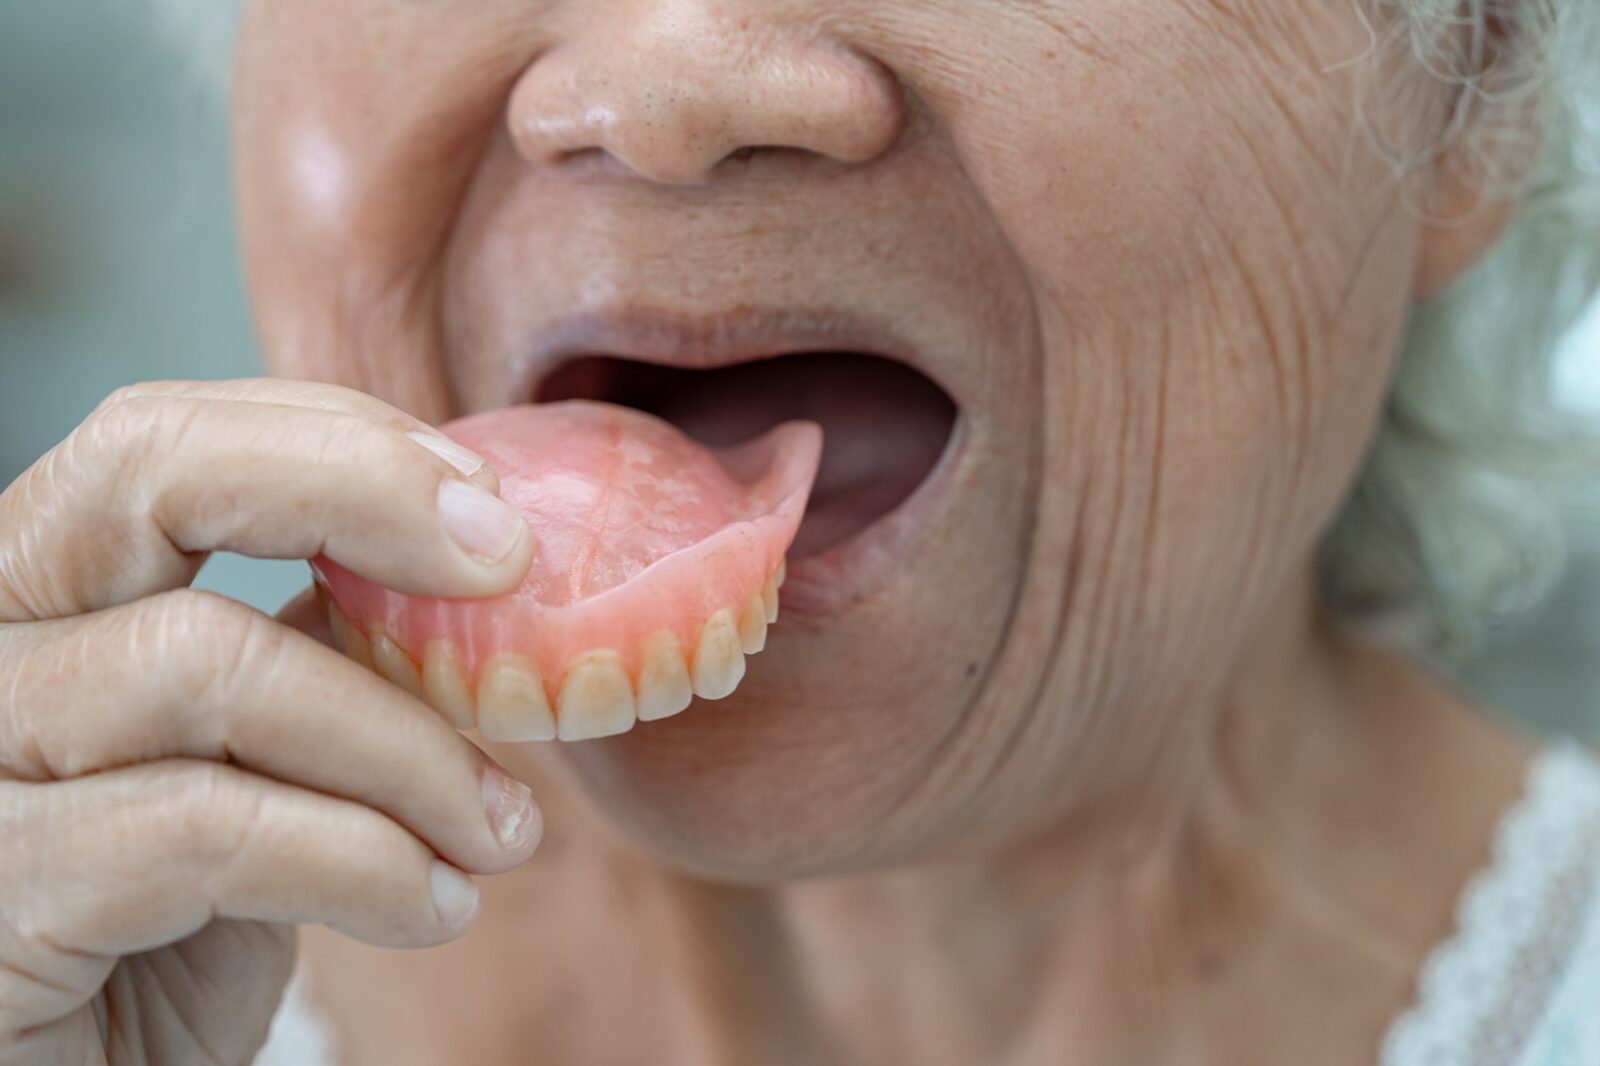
(1481, 993)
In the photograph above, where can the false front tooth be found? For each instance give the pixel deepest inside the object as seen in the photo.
(753, 626)
(444, 685)
(357, 647)
(511, 701)
(718, 665)
(783, 573)
(596, 698)
(349, 638)
(393, 663)
(769, 600)
(664, 687)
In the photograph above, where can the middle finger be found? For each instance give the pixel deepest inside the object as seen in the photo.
(192, 675)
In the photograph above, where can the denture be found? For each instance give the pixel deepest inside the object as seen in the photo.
(656, 571)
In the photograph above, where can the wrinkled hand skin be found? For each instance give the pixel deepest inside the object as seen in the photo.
(182, 778)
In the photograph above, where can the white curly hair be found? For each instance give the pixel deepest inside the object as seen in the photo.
(1450, 532)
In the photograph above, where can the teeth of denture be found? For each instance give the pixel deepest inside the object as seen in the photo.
(596, 698)
(664, 686)
(357, 647)
(718, 664)
(511, 702)
(395, 665)
(753, 625)
(349, 638)
(769, 601)
(444, 685)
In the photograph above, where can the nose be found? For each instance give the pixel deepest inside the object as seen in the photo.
(673, 88)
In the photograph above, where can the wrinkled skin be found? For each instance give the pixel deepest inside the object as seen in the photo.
(1097, 783)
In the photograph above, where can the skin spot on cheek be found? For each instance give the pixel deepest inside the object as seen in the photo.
(318, 171)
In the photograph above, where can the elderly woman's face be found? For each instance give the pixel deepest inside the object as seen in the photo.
(1145, 276)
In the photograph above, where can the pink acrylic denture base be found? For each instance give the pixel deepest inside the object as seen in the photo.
(637, 529)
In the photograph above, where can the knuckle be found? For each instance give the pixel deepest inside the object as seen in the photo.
(205, 822)
(124, 418)
(219, 644)
(131, 412)
(122, 395)
(196, 616)
(138, 421)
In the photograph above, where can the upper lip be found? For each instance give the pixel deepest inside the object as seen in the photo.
(706, 341)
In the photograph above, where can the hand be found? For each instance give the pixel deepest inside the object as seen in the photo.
(183, 779)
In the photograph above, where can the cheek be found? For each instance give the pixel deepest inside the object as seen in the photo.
(1221, 279)
(357, 129)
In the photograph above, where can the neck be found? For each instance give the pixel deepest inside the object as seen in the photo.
(1307, 864)
(1295, 858)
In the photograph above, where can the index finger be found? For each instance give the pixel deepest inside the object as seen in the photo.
(131, 503)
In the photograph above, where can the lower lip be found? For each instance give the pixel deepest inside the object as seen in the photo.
(833, 580)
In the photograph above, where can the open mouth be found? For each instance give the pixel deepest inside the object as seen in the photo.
(665, 504)
(885, 425)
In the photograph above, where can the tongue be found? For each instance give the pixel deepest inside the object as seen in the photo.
(609, 491)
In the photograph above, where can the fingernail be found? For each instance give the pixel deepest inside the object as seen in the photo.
(465, 460)
(482, 524)
(455, 897)
(512, 814)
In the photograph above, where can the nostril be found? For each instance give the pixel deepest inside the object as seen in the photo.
(578, 157)
(747, 153)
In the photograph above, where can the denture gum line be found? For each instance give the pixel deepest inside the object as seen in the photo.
(596, 696)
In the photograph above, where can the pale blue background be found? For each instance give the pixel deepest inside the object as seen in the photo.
(114, 197)
(115, 230)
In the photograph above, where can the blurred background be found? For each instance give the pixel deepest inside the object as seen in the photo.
(118, 264)
(117, 254)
